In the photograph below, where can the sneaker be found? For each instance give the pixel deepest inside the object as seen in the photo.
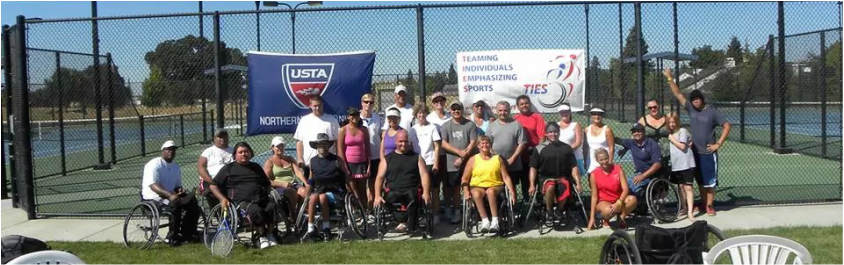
(696, 209)
(264, 242)
(273, 240)
(455, 219)
(485, 226)
(605, 223)
(710, 210)
(493, 228)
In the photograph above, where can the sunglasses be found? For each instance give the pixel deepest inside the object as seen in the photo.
(367, 102)
(652, 107)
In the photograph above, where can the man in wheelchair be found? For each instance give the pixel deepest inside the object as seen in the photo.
(402, 174)
(486, 176)
(162, 185)
(554, 164)
(247, 186)
(647, 159)
(327, 178)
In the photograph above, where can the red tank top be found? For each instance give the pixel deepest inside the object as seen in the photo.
(608, 185)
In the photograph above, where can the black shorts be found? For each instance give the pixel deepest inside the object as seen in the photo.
(453, 179)
(260, 212)
(321, 187)
(686, 177)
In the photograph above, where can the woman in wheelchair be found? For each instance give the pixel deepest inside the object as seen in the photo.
(403, 172)
(486, 176)
(327, 175)
(555, 164)
(286, 176)
(247, 186)
(610, 194)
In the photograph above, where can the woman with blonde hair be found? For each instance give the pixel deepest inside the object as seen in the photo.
(682, 161)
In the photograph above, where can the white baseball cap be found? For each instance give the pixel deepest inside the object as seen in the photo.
(277, 141)
(168, 144)
(393, 112)
(400, 88)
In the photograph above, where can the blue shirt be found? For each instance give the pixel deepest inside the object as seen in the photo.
(645, 155)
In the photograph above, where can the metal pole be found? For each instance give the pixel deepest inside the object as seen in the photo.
(111, 103)
(621, 63)
(22, 119)
(143, 136)
(7, 75)
(258, 23)
(588, 96)
(182, 129)
(640, 68)
(95, 43)
(204, 107)
(62, 143)
(218, 78)
(772, 94)
(674, 101)
(420, 41)
(201, 21)
(782, 79)
(822, 80)
(293, 28)
(6, 135)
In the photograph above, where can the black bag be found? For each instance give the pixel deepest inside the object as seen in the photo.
(672, 246)
(15, 246)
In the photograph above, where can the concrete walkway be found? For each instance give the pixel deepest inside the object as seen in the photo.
(64, 229)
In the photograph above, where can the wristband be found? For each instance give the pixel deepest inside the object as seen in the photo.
(670, 79)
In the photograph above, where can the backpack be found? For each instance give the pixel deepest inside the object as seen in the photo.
(15, 246)
(672, 245)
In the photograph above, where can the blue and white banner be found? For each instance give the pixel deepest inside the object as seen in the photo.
(548, 77)
(280, 85)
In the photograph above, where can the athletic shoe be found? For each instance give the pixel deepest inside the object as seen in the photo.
(264, 242)
(493, 228)
(485, 226)
(605, 223)
(370, 219)
(710, 210)
(271, 237)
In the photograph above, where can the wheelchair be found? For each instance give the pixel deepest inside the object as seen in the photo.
(346, 212)
(663, 196)
(240, 222)
(385, 216)
(143, 222)
(506, 218)
(537, 208)
(655, 245)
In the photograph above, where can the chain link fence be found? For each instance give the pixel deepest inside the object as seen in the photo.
(157, 73)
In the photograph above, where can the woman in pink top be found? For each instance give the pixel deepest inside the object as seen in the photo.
(353, 147)
(610, 194)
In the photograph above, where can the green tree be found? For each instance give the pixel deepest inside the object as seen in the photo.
(154, 90)
(707, 57)
(735, 51)
(452, 75)
(122, 94)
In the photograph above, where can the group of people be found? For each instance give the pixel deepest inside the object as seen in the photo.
(415, 151)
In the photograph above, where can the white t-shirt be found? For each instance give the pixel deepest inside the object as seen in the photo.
(422, 138)
(309, 126)
(373, 126)
(168, 175)
(434, 118)
(406, 116)
(217, 158)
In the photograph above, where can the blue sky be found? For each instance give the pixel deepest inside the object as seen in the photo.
(392, 33)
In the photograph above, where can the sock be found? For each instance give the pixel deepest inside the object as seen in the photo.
(495, 220)
(311, 227)
(485, 222)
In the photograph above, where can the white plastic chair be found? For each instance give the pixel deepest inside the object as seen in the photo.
(47, 257)
(759, 249)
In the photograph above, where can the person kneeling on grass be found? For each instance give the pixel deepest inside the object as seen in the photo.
(610, 194)
(327, 175)
(245, 183)
(486, 176)
(402, 173)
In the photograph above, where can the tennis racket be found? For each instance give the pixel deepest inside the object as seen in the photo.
(224, 239)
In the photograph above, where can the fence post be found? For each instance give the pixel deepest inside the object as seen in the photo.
(823, 92)
(588, 96)
(7, 75)
(772, 95)
(218, 81)
(204, 108)
(420, 42)
(62, 143)
(182, 128)
(24, 151)
(621, 63)
(143, 136)
(640, 69)
(674, 102)
(4, 194)
(95, 46)
(111, 140)
(782, 79)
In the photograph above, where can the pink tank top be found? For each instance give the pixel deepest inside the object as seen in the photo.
(354, 148)
(608, 185)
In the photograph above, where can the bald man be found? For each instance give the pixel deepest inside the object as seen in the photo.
(401, 174)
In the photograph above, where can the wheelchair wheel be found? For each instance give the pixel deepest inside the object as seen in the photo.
(381, 221)
(140, 229)
(663, 199)
(428, 232)
(470, 223)
(301, 225)
(713, 236)
(507, 222)
(620, 249)
(356, 216)
(283, 214)
(201, 201)
(527, 211)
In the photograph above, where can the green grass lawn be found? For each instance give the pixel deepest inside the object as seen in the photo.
(824, 243)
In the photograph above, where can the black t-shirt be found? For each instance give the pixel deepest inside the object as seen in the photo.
(403, 171)
(553, 159)
(243, 183)
(326, 169)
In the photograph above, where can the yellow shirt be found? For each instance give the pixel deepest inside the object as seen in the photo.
(486, 173)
